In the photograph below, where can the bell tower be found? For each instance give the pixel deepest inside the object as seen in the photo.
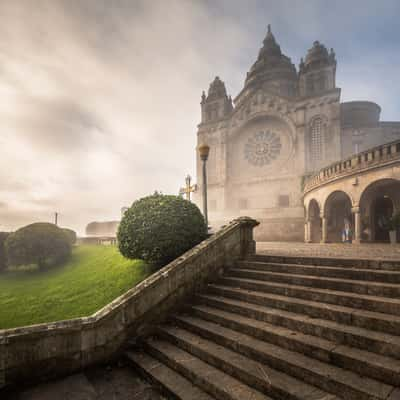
(317, 74)
(216, 105)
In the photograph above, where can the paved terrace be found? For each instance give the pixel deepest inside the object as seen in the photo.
(338, 250)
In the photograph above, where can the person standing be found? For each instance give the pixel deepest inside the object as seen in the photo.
(346, 233)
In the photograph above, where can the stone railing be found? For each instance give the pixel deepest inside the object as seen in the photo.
(365, 160)
(44, 351)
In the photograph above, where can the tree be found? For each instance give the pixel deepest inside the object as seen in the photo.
(3, 256)
(160, 228)
(71, 235)
(105, 228)
(42, 244)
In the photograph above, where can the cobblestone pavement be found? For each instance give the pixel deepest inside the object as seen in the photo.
(338, 250)
(102, 383)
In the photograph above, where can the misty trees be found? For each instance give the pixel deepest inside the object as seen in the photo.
(105, 228)
(160, 228)
(3, 257)
(71, 235)
(42, 244)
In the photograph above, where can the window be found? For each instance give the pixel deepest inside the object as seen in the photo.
(283, 200)
(316, 145)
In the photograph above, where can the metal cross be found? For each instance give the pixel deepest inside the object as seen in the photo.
(188, 189)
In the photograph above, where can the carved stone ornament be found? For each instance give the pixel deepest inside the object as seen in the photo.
(262, 148)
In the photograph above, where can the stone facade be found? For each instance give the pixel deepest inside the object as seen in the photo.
(283, 126)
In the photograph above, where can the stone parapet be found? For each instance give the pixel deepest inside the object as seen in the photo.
(44, 351)
(358, 163)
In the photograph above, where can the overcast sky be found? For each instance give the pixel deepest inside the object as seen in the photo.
(100, 99)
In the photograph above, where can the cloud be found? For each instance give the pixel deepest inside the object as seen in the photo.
(101, 99)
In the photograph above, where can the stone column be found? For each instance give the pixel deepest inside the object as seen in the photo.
(306, 237)
(308, 227)
(357, 224)
(324, 238)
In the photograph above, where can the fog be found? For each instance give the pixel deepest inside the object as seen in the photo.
(100, 99)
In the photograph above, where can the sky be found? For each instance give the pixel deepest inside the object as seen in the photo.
(99, 99)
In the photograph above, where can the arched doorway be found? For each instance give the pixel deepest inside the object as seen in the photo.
(338, 212)
(315, 221)
(382, 211)
(379, 201)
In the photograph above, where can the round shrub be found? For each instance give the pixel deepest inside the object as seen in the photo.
(71, 235)
(160, 228)
(42, 244)
(3, 257)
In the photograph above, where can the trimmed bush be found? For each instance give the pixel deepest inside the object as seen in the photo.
(42, 244)
(160, 228)
(3, 257)
(71, 235)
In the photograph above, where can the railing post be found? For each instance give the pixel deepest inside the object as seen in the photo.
(247, 242)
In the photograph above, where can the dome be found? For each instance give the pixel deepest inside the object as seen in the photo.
(271, 64)
(317, 57)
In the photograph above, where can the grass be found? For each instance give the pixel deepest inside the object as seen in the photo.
(94, 276)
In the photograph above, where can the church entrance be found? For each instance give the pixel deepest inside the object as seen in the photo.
(339, 216)
(382, 210)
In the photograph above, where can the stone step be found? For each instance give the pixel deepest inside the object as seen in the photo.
(360, 361)
(257, 292)
(389, 265)
(345, 285)
(331, 272)
(343, 383)
(210, 379)
(380, 343)
(170, 383)
(255, 374)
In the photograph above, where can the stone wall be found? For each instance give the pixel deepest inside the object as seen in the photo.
(44, 351)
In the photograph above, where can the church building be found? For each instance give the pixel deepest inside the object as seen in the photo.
(284, 125)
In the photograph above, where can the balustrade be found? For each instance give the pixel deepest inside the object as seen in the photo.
(354, 163)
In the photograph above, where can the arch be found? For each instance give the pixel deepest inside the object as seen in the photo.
(241, 123)
(314, 221)
(331, 196)
(378, 202)
(338, 214)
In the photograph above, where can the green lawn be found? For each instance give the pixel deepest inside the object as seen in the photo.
(94, 276)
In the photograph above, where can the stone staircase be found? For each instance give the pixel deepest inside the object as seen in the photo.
(283, 328)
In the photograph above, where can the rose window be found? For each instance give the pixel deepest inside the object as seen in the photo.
(262, 148)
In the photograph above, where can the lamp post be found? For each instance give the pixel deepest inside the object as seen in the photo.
(204, 150)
